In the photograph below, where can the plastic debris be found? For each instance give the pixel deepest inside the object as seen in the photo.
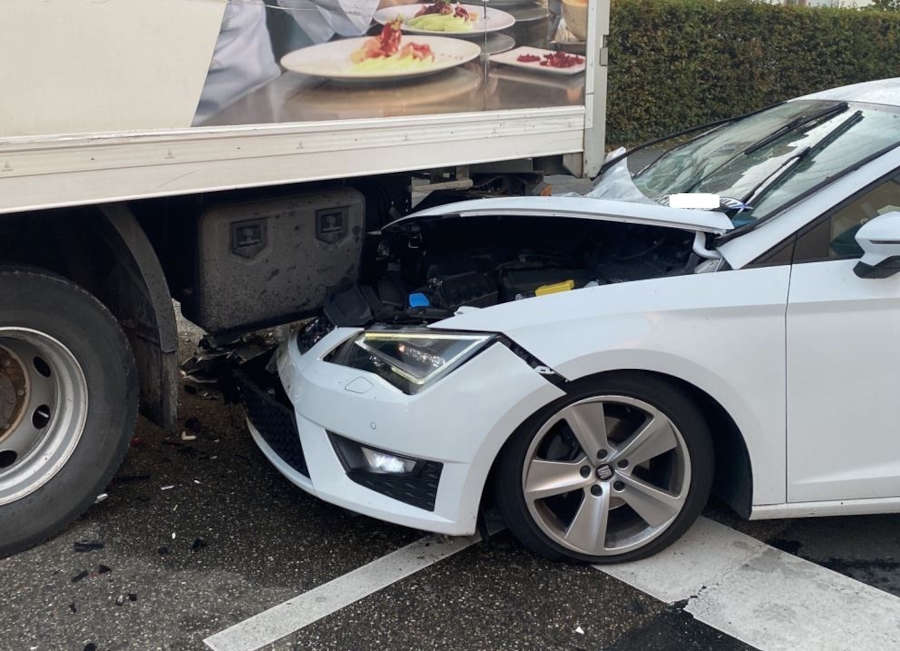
(120, 600)
(579, 630)
(81, 575)
(173, 535)
(101, 497)
(198, 544)
(87, 545)
(188, 437)
(103, 569)
(132, 596)
(167, 488)
(197, 481)
(72, 607)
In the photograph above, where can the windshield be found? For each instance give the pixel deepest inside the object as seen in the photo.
(738, 158)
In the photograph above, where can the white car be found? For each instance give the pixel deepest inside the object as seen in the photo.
(597, 364)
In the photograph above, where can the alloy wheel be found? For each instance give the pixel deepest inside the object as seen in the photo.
(606, 475)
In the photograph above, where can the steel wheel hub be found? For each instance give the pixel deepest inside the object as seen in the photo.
(606, 475)
(43, 409)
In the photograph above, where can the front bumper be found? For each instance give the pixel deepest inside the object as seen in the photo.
(460, 423)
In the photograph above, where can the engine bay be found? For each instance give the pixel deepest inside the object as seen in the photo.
(424, 270)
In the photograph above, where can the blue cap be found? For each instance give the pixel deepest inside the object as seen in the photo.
(419, 299)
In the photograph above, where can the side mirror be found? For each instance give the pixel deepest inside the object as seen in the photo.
(879, 239)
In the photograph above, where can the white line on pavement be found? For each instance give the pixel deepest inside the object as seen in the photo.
(292, 615)
(763, 596)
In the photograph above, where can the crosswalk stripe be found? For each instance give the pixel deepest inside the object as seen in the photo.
(763, 596)
(294, 614)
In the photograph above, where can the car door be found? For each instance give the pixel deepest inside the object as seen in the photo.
(843, 360)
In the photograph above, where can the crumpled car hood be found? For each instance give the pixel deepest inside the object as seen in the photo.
(578, 207)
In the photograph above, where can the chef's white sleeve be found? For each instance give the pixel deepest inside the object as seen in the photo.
(344, 17)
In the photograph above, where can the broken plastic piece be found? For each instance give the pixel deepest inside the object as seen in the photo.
(188, 437)
(101, 497)
(166, 488)
(103, 569)
(82, 574)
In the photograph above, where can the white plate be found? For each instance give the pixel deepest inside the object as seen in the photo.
(490, 20)
(332, 60)
(511, 59)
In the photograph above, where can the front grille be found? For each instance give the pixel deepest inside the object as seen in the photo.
(273, 420)
(418, 488)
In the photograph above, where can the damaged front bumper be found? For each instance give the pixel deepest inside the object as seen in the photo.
(449, 434)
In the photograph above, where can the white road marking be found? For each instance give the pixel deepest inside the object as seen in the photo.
(292, 615)
(763, 596)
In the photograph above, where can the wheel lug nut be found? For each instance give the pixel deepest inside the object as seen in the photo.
(622, 463)
(585, 471)
(596, 490)
(619, 485)
(601, 454)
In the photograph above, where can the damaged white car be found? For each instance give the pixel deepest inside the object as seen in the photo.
(596, 365)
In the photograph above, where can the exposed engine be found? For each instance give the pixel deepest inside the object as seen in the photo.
(425, 269)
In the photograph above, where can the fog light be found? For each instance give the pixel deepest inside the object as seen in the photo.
(386, 463)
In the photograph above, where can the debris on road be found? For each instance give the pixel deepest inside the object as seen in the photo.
(167, 488)
(78, 577)
(82, 546)
(163, 551)
(579, 630)
(103, 569)
(188, 437)
(72, 607)
(101, 497)
(198, 544)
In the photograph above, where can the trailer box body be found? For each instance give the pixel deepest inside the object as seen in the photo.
(101, 102)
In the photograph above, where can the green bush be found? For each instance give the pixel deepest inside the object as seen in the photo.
(680, 63)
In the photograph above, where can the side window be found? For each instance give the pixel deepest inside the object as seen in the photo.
(833, 236)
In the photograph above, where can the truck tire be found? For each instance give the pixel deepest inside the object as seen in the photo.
(68, 404)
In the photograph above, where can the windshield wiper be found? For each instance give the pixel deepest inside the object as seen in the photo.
(798, 122)
(807, 153)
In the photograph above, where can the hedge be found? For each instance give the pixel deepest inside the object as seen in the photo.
(680, 63)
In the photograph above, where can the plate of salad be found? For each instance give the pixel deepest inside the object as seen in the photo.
(445, 17)
(388, 55)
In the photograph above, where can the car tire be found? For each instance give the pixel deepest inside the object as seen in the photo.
(553, 496)
(60, 347)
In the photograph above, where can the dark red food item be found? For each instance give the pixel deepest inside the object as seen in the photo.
(561, 60)
(528, 58)
(446, 8)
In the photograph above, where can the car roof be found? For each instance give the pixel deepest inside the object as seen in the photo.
(882, 91)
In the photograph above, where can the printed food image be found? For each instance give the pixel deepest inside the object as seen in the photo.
(552, 60)
(443, 16)
(383, 53)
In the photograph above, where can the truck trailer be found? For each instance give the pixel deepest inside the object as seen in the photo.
(123, 186)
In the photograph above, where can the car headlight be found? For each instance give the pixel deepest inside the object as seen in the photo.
(409, 359)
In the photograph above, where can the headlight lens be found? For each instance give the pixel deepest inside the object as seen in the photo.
(409, 359)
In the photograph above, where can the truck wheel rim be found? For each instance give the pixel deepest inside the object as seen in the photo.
(43, 408)
(606, 475)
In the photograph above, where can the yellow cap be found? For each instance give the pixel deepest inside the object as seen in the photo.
(564, 286)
